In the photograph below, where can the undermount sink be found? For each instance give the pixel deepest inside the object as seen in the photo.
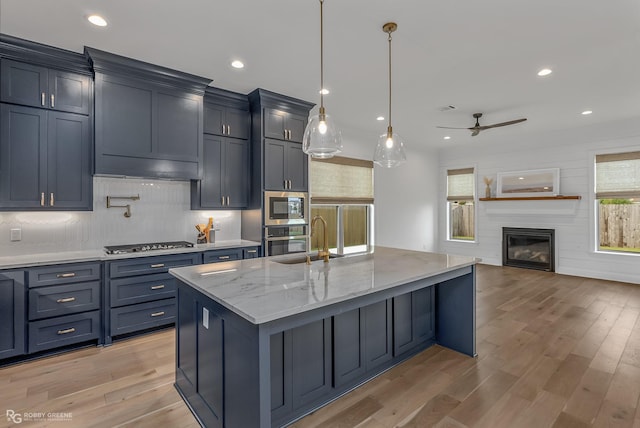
(302, 258)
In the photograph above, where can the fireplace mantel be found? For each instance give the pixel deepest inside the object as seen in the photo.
(534, 198)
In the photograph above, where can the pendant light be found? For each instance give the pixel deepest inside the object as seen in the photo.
(321, 138)
(390, 149)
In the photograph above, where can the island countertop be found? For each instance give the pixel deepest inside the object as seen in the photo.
(265, 289)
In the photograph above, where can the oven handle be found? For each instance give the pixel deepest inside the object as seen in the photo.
(288, 238)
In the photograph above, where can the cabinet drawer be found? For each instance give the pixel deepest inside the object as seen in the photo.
(63, 299)
(141, 316)
(251, 253)
(63, 274)
(222, 255)
(61, 331)
(147, 265)
(127, 291)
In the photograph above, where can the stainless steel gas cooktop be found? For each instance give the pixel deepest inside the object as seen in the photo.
(134, 248)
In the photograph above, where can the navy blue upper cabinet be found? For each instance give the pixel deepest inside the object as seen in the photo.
(226, 157)
(45, 128)
(226, 113)
(283, 125)
(38, 86)
(278, 162)
(148, 119)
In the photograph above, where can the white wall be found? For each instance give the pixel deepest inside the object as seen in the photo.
(571, 151)
(161, 214)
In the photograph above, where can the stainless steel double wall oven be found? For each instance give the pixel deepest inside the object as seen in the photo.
(286, 222)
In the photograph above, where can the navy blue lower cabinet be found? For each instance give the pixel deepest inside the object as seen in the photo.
(66, 330)
(12, 314)
(234, 373)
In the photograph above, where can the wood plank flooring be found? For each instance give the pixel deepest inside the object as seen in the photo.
(553, 351)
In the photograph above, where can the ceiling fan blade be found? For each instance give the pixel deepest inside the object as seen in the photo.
(495, 125)
(449, 127)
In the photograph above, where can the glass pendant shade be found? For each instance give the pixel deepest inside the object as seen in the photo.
(321, 137)
(389, 151)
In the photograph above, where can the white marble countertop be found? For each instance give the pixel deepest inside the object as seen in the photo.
(262, 290)
(39, 259)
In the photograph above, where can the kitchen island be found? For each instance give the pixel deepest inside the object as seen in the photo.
(263, 342)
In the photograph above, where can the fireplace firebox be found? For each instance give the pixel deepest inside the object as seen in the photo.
(528, 248)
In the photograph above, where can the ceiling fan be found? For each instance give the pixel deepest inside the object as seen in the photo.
(475, 130)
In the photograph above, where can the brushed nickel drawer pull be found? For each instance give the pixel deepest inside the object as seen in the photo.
(66, 331)
(158, 265)
(223, 257)
(43, 95)
(66, 275)
(252, 251)
(52, 201)
(42, 199)
(157, 314)
(66, 300)
(223, 201)
(53, 100)
(157, 287)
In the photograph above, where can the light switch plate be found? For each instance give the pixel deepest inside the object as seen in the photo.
(205, 318)
(16, 234)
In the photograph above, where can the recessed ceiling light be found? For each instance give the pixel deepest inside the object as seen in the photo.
(97, 20)
(324, 91)
(380, 118)
(545, 72)
(447, 138)
(237, 64)
(587, 112)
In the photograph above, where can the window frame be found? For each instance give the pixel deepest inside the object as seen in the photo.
(449, 237)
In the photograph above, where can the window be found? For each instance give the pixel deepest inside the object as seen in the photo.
(460, 208)
(618, 202)
(342, 193)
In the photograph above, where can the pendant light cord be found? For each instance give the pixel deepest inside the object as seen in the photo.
(321, 59)
(389, 129)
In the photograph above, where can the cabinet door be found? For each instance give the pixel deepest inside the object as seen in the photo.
(348, 341)
(275, 124)
(12, 314)
(210, 363)
(211, 184)
(296, 125)
(179, 126)
(310, 362)
(24, 84)
(238, 122)
(274, 164)
(68, 92)
(296, 167)
(123, 121)
(23, 156)
(70, 185)
(236, 171)
(413, 320)
(213, 119)
(378, 333)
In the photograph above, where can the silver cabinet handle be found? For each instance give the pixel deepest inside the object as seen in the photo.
(222, 197)
(157, 287)
(158, 265)
(66, 275)
(252, 251)
(66, 331)
(223, 257)
(66, 300)
(285, 134)
(42, 97)
(157, 314)
(42, 199)
(52, 201)
(228, 201)
(228, 129)
(53, 100)
(223, 129)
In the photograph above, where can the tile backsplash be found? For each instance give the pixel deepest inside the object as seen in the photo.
(161, 214)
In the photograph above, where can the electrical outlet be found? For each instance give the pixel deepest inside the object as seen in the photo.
(205, 318)
(16, 234)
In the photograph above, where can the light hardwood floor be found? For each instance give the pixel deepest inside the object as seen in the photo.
(553, 351)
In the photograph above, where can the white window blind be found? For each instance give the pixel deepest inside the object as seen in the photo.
(340, 180)
(618, 176)
(460, 184)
